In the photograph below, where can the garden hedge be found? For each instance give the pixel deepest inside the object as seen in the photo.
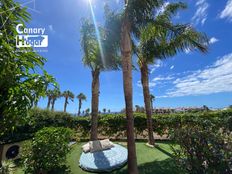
(114, 125)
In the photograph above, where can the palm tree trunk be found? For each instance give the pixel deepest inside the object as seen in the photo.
(65, 103)
(147, 101)
(53, 103)
(95, 101)
(127, 85)
(49, 102)
(79, 108)
(1, 151)
(1, 127)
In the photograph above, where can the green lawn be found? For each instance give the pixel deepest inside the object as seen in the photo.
(150, 160)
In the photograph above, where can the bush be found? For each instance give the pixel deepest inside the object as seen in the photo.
(203, 149)
(114, 125)
(5, 168)
(47, 150)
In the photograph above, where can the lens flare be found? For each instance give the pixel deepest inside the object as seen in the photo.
(97, 32)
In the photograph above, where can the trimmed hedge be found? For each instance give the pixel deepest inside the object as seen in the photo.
(114, 125)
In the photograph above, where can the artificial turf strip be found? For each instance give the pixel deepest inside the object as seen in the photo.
(150, 160)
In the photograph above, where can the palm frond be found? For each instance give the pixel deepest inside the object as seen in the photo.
(170, 10)
(102, 57)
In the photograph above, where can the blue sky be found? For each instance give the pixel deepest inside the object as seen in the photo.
(188, 79)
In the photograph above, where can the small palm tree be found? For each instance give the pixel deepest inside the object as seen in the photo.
(49, 94)
(67, 95)
(152, 99)
(81, 97)
(87, 111)
(104, 110)
(55, 95)
(137, 108)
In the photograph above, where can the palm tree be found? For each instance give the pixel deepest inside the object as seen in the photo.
(136, 13)
(152, 99)
(80, 97)
(135, 16)
(49, 95)
(104, 110)
(137, 108)
(108, 110)
(98, 59)
(67, 95)
(87, 111)
(55, 95)
(160, 39)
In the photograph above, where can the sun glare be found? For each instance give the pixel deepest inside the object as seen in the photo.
(97, 32)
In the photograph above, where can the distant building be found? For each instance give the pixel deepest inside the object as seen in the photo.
(163, 110)
(179, 109)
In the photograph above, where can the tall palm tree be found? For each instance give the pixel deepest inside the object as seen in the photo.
(136, 13)
(97, 62)
(160, 39)
(80, 97)
(152, 99)
(49, 95)
(55, 95)
(67, 95)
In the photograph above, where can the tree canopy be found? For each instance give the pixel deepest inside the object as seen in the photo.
(98, 56)
(22, 76)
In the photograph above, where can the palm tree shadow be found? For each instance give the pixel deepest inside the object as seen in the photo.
(101, 160)
(165, 152)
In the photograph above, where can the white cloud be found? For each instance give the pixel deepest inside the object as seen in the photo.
(213, 79)
(50, 27)
(155, 81)
(187, 50)
(151, 84)
(200, 15)
(162, 78)
(213, 40)
(227, 12)
(157, 65)
(172, 67)
(162, 8)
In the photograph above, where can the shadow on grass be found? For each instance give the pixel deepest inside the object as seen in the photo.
(62, 170)
(164, 151)
(156, 167)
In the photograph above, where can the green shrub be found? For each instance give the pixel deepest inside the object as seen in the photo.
(38, 118)
(5, 168)
(203, 149)
(47, 150)
(114, 125)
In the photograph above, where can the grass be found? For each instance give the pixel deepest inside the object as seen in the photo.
(150, 160)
